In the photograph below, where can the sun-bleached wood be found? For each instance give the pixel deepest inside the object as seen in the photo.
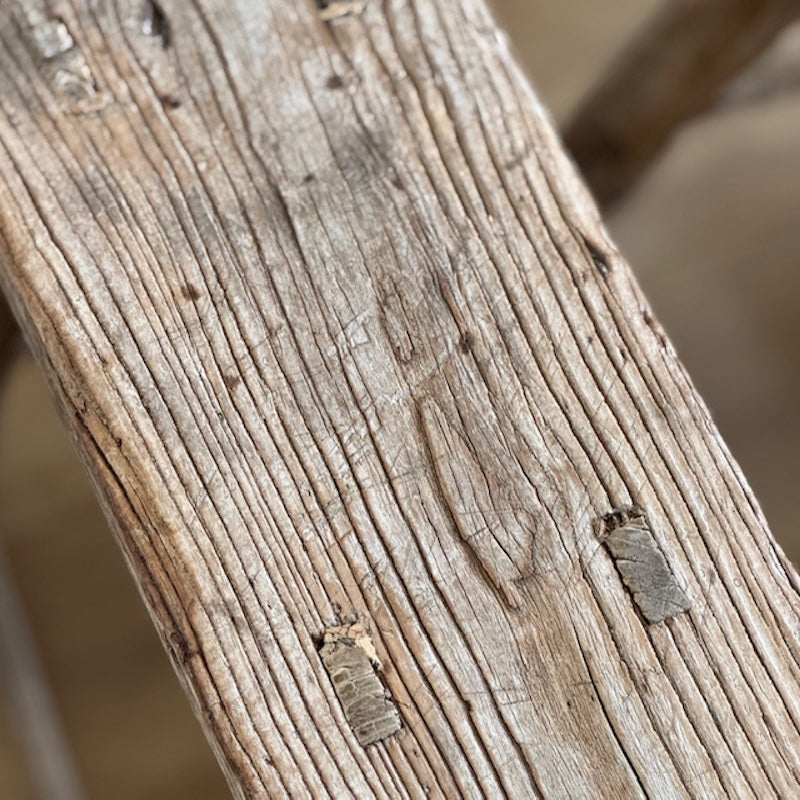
(344, 345)
(673, 69)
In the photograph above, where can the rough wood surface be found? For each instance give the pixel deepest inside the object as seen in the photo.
(343, 342)
(673, 69)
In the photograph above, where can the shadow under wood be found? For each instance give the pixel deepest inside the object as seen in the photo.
(9, 336)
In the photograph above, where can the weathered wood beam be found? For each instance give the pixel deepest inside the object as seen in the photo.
(672, 70)
(417, 492)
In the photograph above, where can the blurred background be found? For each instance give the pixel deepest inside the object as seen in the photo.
(713, 234)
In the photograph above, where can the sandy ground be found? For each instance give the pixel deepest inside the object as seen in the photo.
(713, 234)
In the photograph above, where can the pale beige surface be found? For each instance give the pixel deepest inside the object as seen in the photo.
(713, 236)
(564, 44)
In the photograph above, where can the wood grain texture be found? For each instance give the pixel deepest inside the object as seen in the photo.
(673, 69)
(340, 335)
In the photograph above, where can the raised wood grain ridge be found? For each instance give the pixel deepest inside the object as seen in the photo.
(340, 336)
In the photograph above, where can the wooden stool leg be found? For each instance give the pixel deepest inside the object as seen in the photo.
(672, 70)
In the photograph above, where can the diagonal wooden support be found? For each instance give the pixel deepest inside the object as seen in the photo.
(671, 71)
(420, 499)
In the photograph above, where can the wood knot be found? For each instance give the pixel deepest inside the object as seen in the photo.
(487, 514)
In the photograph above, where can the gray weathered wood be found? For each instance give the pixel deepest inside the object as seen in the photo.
(342, 341)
